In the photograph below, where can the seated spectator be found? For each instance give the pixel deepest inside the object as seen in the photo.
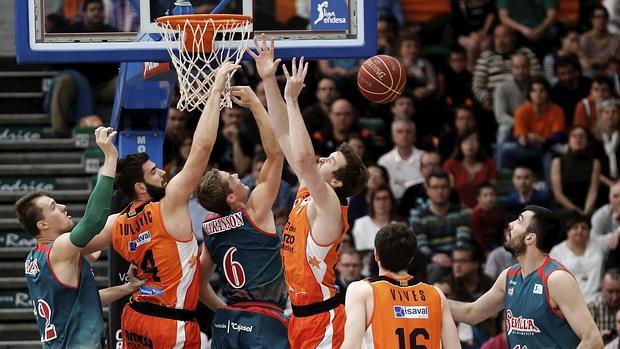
(391, 8)
(539, 124)
(402, 162)
(493, 65)
(358, 203)
(440, 227)
(415, 197)
(233, 149)
(344, 72)
(175, 165)
(585, 112)
(342, 124)
(531, 18)
(469, 167)
(420, 72)
(176, 131)
(471, 24)
(75, 89)
(575, 175)
(455, 80)
(605, 308)
(607, 140)
(613, 7)
(469, 283)
(387, 35)
(286, 192)
(606, 220)
(380, 214)
(487, 220)
(583, 255)
(523, 179)
(615, 343)
(464, 120)
(569, 46)
(349, 268)
(599, 45)
(571, 86)
(316, 116)
(497, 261)
(510, 95)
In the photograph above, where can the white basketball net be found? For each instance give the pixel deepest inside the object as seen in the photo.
(195, 68)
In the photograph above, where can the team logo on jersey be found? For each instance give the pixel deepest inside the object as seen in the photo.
(142, 239)
(410, 312)
(511, 291)
(32, 267)
(225, 223)
(538, 289)
(520, 325)
(150, 291)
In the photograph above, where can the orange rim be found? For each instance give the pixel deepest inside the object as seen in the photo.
(178, 21)
(207, 22)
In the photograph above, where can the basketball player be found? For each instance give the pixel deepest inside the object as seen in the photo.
(66, 301)
(155, 233)
(318, 218)
(241, 239)
(394, 310)
(543, 307)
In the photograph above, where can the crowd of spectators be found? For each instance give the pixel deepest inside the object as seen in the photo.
(520, 109)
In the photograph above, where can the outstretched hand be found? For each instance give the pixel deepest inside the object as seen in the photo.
(104, 137)
(221, 76)
(265, 64)
(244, 96)
(295, 80)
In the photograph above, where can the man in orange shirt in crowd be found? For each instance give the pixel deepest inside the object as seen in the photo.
(586, 109)
(539, 125)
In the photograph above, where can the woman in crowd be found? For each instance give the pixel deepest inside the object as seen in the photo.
(575, 176)
(469, 167)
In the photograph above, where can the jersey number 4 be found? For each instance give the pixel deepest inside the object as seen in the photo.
(43, 310)
(233, 270)
(400, 333)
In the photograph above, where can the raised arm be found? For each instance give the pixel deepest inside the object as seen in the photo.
(268, 182)
(325, 203)
(359, 294)
(564, 292)
(67, 247)
(181, 186)
(491, 303)
(449, 334)
(278, 116)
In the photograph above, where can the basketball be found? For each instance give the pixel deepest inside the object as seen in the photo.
(381, 79)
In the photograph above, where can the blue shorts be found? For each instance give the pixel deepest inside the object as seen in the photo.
(250, 325)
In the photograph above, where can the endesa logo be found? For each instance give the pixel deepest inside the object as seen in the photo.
(142, 239)
(410, 312)
(329, 15)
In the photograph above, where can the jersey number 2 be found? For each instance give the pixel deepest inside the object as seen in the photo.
(400, 332)
(43, 310)
(233, 270)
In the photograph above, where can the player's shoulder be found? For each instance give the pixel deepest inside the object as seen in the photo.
(361, 288)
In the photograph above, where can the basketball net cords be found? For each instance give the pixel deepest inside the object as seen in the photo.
(196, 70)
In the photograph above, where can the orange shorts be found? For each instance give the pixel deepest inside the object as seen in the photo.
(324, 330)
(145, 331)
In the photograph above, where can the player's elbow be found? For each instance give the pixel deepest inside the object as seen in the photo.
(305, 158)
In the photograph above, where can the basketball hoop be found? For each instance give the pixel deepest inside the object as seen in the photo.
(198, 44)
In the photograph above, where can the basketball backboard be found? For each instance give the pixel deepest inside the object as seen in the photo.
(45, 30)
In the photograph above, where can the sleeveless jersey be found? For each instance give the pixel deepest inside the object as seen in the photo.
(530, 320)
(406, 315)
(247, 257)
(170, 266)
(68, 317)
(309, 268)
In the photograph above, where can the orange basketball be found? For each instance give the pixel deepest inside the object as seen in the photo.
(381, 79)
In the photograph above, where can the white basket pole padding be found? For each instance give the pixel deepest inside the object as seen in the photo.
(195, 68)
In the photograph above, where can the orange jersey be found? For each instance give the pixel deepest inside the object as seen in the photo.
(170, 266)
(405, 314)
(309, 267)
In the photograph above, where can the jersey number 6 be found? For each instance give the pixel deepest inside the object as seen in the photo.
(233, 270)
